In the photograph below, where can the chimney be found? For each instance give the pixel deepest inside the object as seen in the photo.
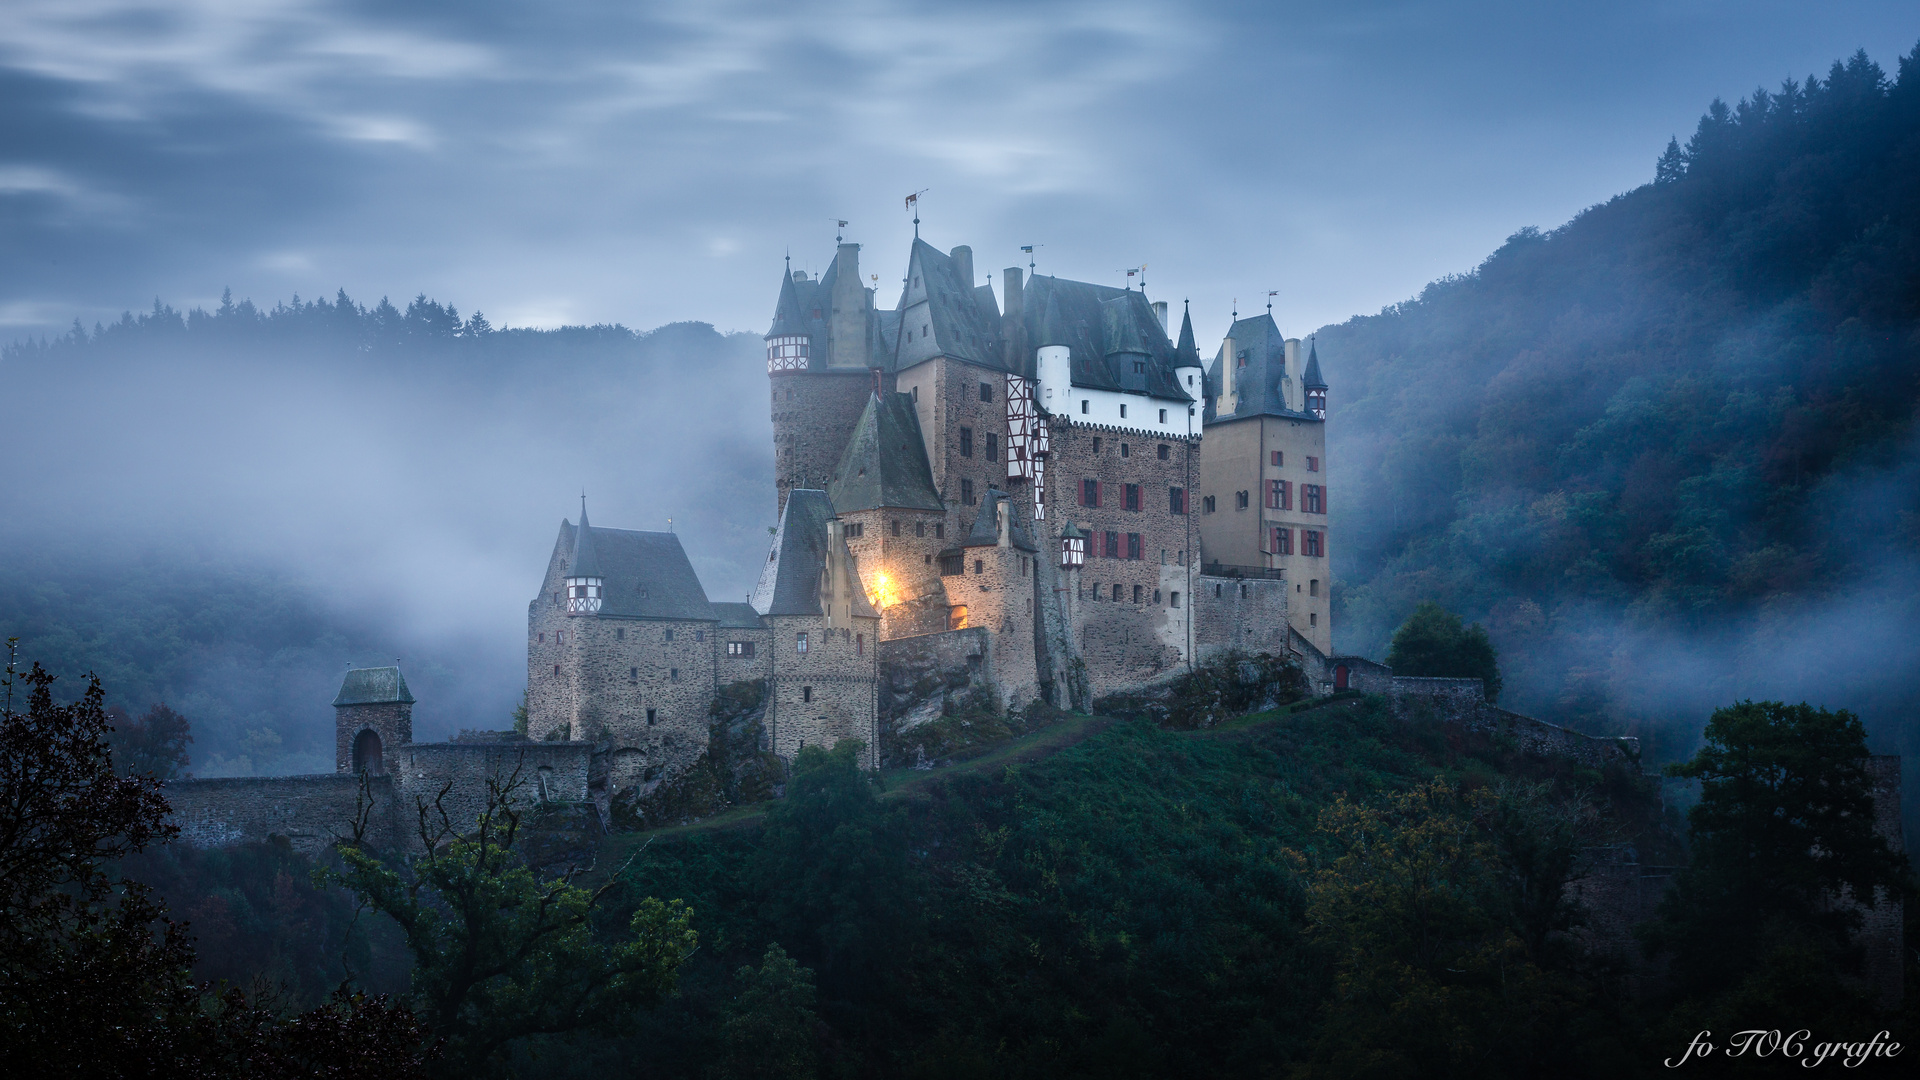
(1013, 324)
(963, 264)
(1000, 522)
(847, 324)
(1160, 312)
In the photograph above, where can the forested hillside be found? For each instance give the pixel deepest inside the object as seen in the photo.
(1665, 451)
(222, 509)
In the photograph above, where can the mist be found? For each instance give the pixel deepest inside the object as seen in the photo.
(260, 501)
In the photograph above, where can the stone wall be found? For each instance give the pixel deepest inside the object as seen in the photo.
(827, 693)
(1244, 614)
(391, 721)
(905, 545)
(813, 413)
(310, 811)
(548, 771)
(1463, 702)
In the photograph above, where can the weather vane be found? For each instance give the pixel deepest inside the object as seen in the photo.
(913, 204)
(840, 226)
(1271, 293)
(1028, 248)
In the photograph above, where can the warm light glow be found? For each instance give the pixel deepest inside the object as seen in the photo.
(881, 592)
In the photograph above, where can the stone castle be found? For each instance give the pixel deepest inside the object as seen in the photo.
(1031, 472)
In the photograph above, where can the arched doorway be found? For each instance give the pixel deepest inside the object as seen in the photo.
(1340, 677)
(366, 753)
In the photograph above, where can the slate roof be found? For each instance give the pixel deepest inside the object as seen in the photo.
(1101, 325)
(964, 320)
(1312, 379)
(986, 529)
(737, 616)
(646, 574)
(584, 563)
(374, 686)
(885, 462)
(1257, 385)
(804, 308)
(792, 577)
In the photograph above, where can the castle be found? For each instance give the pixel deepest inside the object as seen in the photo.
(1034, 470)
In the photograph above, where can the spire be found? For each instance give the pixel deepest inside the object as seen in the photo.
(1311, 379)
(1186, 354)
(585, 563)
(787, 321)
(1053, 328)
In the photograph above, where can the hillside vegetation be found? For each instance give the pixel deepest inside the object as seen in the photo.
(1665, 451)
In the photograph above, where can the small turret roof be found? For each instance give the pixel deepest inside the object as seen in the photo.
(1186, 354)
(986, 526)
(373, 686)
(1311, 379)
(1257, 386)
(885, 462)
(584, 564)
(647, 574)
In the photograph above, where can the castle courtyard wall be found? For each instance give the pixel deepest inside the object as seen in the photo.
(1239, 614)
(827, 693)
(310, 811)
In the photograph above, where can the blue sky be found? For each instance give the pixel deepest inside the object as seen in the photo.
(574, 161)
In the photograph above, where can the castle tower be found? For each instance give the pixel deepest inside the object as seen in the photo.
(822, 349)
(996, 589)
(892, 518)
(372, 718)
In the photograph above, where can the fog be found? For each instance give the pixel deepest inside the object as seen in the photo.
(399, 503)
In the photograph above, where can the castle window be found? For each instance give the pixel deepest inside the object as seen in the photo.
(979, 566)
(986, 391)
(1090, 493)
(1216, 591)
(1310, 543)
(1278, 458)
(1096, 444)
(951, 565)
(1113, 546)
(1136, 594)
(1313, 587)
(939, 530)
(1243, 592)
(556, 671)
(559, 636)
(1280, 541)
(1085, 406)
(1116, 592)
(673, 674)
(916, 395)
(543, 639)
(966, 442)
(1176, 500)
(957, 617)
(1125, 450)
(1313, 464)
(1139, 367)
(1174, 600)
(1206, 504)
(669, 634)
(993, 446)
(800, 642)
(740, 648)
(1279, 495)
(806, 693)
(700, 635)
(860, 645)
(1239, 500)
(966, 492)
(1313, 499)
(633, 673)
(620, 634)
(919, 528)
(1165, 450)
(1123, 416)
(1313, 618)
(1163, 419)
(1132, 495)
(856, 529)
(652, 715)
(1133, 546)
(896, 526)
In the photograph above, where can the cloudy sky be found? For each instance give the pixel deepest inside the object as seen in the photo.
(576, 161)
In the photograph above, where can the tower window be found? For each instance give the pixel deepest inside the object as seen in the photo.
(806, 693)
(556, 671)
(1311, 543)
(1133, 546)
(1313, 587)
(1136, 594)
(966, 442)
(1096, 444)
(993, 446)
(1125, 450)
(700, 635)
(1165, 450)
(966, 492)
(979, 566)
(543, 639)
(1123, 412)
(1176, 500)
(1116, 592)
(860, 645)
(896, 526)
(1313, 499)
(1132, 492)
(1313, 464)
(1278, 458)
(939, 530)
(740, 648)
(919, 528)
(1163, 419)
(1173, 600)
(1090, 493)
(916, 395)
(620, 634)
(986, 391)
(673, 674)
(652, 715)
(1280, 542)
(1239, 500)
(1313, 618)
(1113, 548)
(669, 635)
(800, 642)
(1085, 406)
(1206, 504)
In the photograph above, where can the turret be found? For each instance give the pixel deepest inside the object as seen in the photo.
(1186, 363)
(585, 585)
(372, 717)
(1054, 360)
(1313, 384)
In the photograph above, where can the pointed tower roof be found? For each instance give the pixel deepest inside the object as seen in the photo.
(373, 686)
(788, 318)
(885, 463)
(790, 581)
(1186, 354)
(1053, 328)
(1311, 378)
(585, 563)
(986, 526)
